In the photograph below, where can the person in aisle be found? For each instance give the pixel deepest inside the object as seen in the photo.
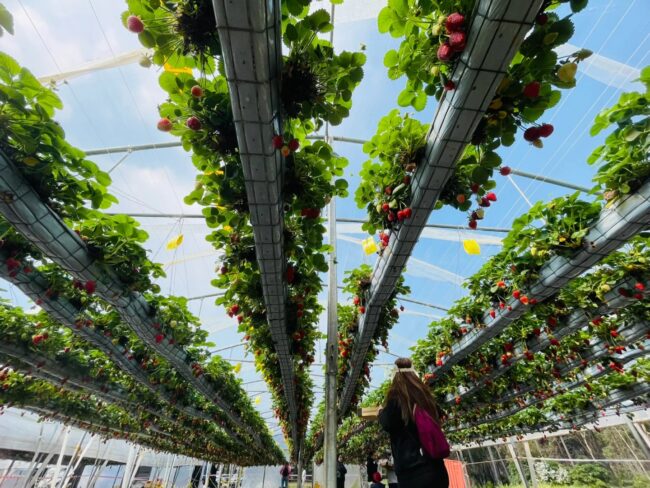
(341, 471)
(407, 396)
(371, 468)
(376, 481)
(285, 471)
(389, 468)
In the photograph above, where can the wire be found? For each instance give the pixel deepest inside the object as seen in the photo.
(58, 67)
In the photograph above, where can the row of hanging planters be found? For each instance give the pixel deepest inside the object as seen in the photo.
(76, 190)
(569, 409)
(40, 335)
(434, 35)
(316, 88)
(111, 421)
(40, 347)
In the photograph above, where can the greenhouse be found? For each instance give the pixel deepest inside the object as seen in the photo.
(324, 243)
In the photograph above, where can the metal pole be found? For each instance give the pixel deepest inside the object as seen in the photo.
(640, 438)
(263, 476)
(208, 470)
(566, 449)
(531, 464)
(64, 444)
(493, 465)
(513, 454)
(299, 467)
(331, 353)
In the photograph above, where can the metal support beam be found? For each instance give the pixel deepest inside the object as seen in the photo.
(331, 355)
(531, 465)
(515, 459)
(251, 42)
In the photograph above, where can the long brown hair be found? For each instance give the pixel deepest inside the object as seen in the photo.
(408, 390)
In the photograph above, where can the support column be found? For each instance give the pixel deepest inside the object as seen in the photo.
(515, 459)
(640, 437)
(566, 450)
(331, 357)
(531, 464)
(299, 466)
(493, 465)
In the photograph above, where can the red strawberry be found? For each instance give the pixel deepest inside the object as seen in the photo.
(473, 224)
(524, 300)
(134, 24)
(529, 355)
(493, 313)
(400, 215)
(223, 270)
(12, 264)
(542, 19)
(407, 213)
(90, 287)
(531, 90)
(388, 190)
(165, 125)
(613, 333)
(639, 286)
(491, 196)
(193, 123)
(362, 310)
(159, 338)
(406, 180)
(278, 141)
(401, 308)
(294, 145)
(391, 216)
(545, 130)
(551, 321)
(485, 202)
(638, 296)
(554, 342)
(508, 347)
(291, 274)
(240, 318)
(532, 134)
(450, 85)
(234, 309)
(454, 22)
(457, 41)
(356, 300)
(505, 170)
(516, 294)
(475, 187)
(501, 284)
(197, 91)
(385, 207)
(502, 305)
(445, 52)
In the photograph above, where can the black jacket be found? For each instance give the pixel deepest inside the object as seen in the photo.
(404, 440)
(371, 468)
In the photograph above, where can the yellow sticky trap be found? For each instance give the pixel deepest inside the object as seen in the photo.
(171, 69)
(471, 246)
(237, 368)
(369, 246)
(175, 242)
(258, 400)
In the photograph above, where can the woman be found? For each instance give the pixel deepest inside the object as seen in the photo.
(285, 471)
(341, 471)
(413, 467)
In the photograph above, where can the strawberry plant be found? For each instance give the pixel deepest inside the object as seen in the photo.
(180, 32)
(623, 158)
(385, 189)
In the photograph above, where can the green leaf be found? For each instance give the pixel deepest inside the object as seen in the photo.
(480, 175)
(405, 97)
(420, 101)
(6, 20)
(147, 39)
(391, 58)
(290, 33)
(491, 160)
(385, 19)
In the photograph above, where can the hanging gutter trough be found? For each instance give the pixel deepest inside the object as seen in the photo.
(497, 29)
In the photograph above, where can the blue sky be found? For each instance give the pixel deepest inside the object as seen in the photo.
(117, 107)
